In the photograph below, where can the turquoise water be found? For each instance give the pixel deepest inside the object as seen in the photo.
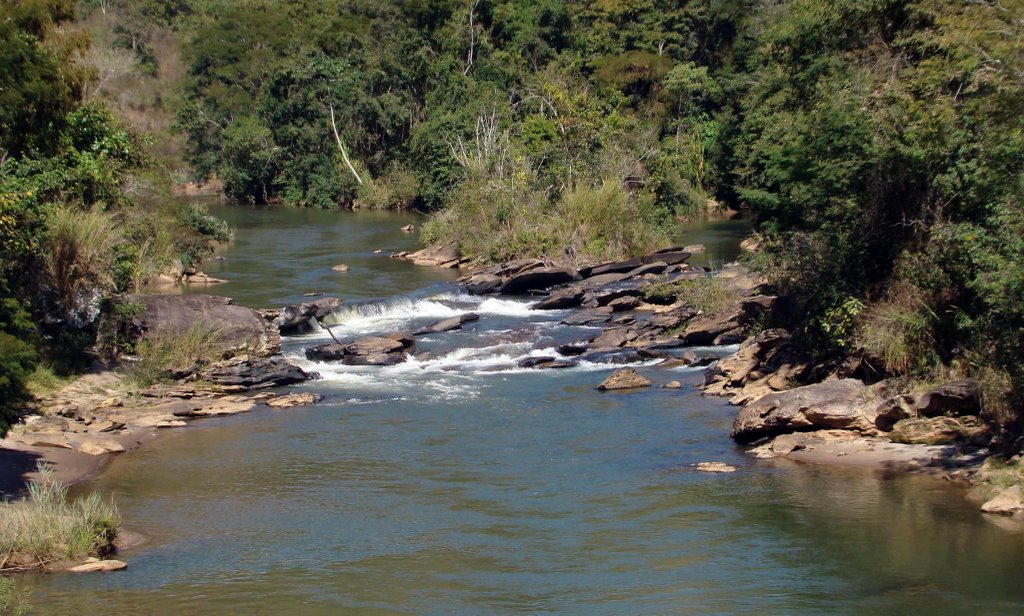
(456, 483)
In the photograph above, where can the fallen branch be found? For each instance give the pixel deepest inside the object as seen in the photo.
(341, 147)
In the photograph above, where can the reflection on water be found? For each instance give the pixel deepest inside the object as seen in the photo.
(460, 484)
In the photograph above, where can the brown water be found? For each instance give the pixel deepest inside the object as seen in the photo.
(459, 484)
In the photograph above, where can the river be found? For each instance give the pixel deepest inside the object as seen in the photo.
(456, 483)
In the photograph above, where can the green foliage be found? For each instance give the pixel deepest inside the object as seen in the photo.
(47, 527)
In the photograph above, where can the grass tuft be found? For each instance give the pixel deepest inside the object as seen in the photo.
(166, 356)
(707, 294)
(46, 527)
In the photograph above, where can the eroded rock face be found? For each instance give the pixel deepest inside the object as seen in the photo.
(627, 378)
(953, 398)
(845, 404)
(238, 329)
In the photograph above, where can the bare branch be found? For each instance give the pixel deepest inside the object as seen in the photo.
(341, 147)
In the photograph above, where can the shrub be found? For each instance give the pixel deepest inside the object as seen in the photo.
(47, 527)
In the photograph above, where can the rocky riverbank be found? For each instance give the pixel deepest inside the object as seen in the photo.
(653, 309)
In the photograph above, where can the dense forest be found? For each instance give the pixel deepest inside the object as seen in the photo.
(878, 145)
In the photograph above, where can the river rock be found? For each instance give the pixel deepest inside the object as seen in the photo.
(341, 268)
(237, 329)
(894, 409)
(1008, 502)
(715, 467)
(614, 337)
(46, 439)
(252, 372)
(692, 358)
(292, 320)
(408, 228)
(706, 329)
(673, 385)
(537, 279)
(561, 299)
(845, 404)
(544, 362)
(627, 378)
(97, 566)
(293, 400)
(446, 255)
(449, 324)
(368, 351)
(98, 447)
(623, 304)
(614, 267)
(483, 284)
(953, 398)
(593, 316)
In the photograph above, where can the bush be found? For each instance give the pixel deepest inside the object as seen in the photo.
(17, 361)
(47, 527)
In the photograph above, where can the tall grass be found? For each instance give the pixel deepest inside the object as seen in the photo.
(12, 603)
(900, 334)
(164, 355)
(707, 294)
(79, 255)
(47, 527)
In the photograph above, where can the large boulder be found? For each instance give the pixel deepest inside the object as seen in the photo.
(483, 284)
(255, 373)
(538, 279)
(839, 404)
(368, 351)
(953, 398)
(237, 329)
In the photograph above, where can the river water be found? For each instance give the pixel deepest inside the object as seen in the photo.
(456, 483)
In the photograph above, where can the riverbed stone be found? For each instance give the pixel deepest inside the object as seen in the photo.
(627, 378)
(294, 400)
(715, 467)
(561, 299)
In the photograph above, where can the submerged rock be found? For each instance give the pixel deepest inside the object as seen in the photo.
(97, 566)
(627, 378)
(715, 467)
